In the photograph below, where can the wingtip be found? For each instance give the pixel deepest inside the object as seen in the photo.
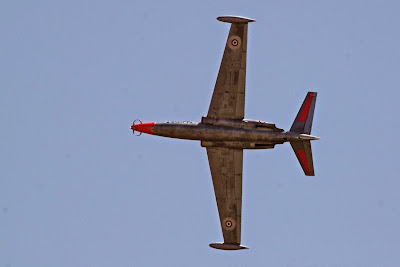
(226, 246)
(235, 19)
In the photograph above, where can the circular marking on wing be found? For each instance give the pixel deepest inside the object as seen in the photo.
(234, 42)
(228, 223)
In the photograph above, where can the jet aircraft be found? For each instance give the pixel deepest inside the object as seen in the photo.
(224, 132)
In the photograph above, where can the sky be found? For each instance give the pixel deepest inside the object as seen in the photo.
(78, 189)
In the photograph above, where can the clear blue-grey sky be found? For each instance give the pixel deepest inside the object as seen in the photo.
(78, 189)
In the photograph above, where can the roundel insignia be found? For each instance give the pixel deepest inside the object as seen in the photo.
(228, 223)
(234, 42)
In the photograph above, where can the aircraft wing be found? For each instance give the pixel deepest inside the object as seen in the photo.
(229, 93)
(226, 166)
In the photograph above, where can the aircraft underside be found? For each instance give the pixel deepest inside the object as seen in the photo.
(225, 133)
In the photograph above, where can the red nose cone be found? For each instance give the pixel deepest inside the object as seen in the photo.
(146, 127)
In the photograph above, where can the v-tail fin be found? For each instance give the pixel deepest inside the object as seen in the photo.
(302, 149)
(302, 125)
(303, 121)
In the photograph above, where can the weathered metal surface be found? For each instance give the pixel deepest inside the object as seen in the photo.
(226, 170)
(237, 144)
(229, 93)
(238, 123)
(207, 132)
(225, 133)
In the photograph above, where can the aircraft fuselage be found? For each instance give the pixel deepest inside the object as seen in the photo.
(234, 133)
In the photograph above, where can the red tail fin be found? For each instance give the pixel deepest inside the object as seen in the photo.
(302, 149)
(303, 121)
